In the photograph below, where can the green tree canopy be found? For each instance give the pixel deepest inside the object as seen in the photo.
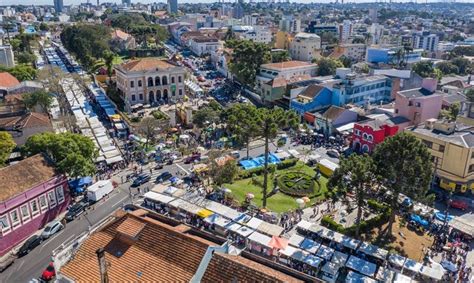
(447, 68)
(148, 127)
(357, 173)
(452, 112)
(404, 164)
(26, 58)
(21, 71)
(7, 144)
(205, 116)
(280, 56)
(328, 66)
(241, 123)
(247, 56)
(73, 154)
(223, 174)
(38, 98)
(463, 64)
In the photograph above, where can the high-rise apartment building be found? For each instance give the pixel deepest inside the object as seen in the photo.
(58, 6)
(173, 6)
(426, 40)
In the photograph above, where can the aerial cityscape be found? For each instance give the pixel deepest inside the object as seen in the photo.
(243, 141)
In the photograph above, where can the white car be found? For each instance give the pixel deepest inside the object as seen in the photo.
(51, 228)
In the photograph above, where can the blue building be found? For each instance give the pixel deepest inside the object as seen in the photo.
(350, 89)
(378, 55)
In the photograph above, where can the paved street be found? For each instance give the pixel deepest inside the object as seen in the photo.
(31, 265)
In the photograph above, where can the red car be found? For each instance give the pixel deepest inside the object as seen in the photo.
(49, 273)
(459, 204)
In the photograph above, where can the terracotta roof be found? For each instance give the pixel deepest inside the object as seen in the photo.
(120, 34)
(24, 175)
(26, 121)
(146, 64)
(311, 91)
(7, 80)
(14, 98)
(277, 82)
(333, 112)
(131, 227)
(287, 65)
(161, 253)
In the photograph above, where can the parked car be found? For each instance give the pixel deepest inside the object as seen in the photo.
(7, 261)
(459, 204)
(159, 166)
(51, 228)
(192, 158)
(30, 244)
(333, 153)
(141, 179)
(235, 154)
(49, 273)
(75, 210)
(163, 177)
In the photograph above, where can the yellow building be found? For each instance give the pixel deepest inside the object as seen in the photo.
(282, 40)
(452, 149)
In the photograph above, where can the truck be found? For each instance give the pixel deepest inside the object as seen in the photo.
(98, 190)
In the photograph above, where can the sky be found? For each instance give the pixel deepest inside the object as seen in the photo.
(76, 2)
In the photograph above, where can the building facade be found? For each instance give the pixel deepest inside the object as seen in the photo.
(34, 195)
(202, 45)
(290, 24)
(6, 56)
(148, 80)
(305, 46)
(452, 151)
(345, 30)
(426, 41)
(58, 6)
(382, 55)
(173, 6)
(366, 135)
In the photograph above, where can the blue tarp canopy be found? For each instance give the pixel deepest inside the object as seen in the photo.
(312, 260)
(259, 161)
(361, 266)
(442, 216)
(419, 220)
(80, 182)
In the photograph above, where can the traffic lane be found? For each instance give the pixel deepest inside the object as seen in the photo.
(33, 264)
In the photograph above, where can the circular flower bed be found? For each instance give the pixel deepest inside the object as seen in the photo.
(296, 184)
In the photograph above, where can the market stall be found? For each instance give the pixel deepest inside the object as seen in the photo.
(373, 253)
(396, 262)
(330, 272)
(361, 266)
(354, 277)
(258, 242)
(156, 201)
(325, 252)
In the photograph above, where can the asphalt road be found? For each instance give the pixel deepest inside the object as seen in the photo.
(32, 265)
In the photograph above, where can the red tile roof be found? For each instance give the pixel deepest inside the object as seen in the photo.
(26, 121)
(7, 80)
(162, 253)
(287, 65)
(146, 64)
(120, 34)
(24, 175)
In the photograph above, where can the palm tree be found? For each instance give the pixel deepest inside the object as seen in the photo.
(109, 63)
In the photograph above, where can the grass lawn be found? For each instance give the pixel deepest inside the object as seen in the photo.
(278, 202)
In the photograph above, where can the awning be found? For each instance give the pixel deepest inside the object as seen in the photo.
(158, 197)
(374, 251)
(203, 213)
(270, 229)
(114, 159)
(396, 260)
(259, 238)
(288, 251)
(412, 265)
(339, 258)
(304, 225)
(186, 206)
(349, 242)
(278, 243)
(310, 245)
(295, 240)
(361, 266)
(434, 273)
(462, 225)
(313, 261)
(325, 252)
(354, 277)
(244, 231)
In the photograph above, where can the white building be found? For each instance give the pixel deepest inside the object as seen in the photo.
(6, 56)
(258, 34)
(290, 24)
(376, 33)
(148, 80)
(305, 46)
(201, 45)
(284, 70)
(426, 41)
(445, 46)
(354, 51)
(251, 20)
(345, 30)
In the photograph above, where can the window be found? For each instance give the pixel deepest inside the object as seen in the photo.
(410, 103)
(134, 97)
(172, 80)
(15, 218)
(5, 224)
(139, 83)
(418, 104)
(140, 96)
(357, 132)
(173, 92)
(51, 199)
(150, 81)
(428, 143)
(25, 213)
(60, 194)
(179, 79)
(396, 111)
(441, 148)
(34, 207)
(180, 92)
(370, 137)
(43, 202)
(364, 136)
(472, 155)
(132, 84)
(471, 168)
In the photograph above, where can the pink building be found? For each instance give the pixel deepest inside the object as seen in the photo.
(33, 193)
(419, 104)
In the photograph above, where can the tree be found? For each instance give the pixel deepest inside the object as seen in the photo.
(26, 58)
(464, 65)
(447, 68)
(148, 127)
(38, 98)
(357, 172)
(21, 72)
(328, 66)
(43, 26)
(7, 144)
(205, 116)
(269, 122)
(280, 56)
(73, 154)
(404, 164)
(452, 112)
(222, 174)
(424, 68)
(247, 56)
(240, 120)
(346, 61)
(109, 57)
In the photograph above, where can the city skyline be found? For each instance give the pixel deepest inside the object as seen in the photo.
(77, 2)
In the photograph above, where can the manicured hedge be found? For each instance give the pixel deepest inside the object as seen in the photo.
(288, 185)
